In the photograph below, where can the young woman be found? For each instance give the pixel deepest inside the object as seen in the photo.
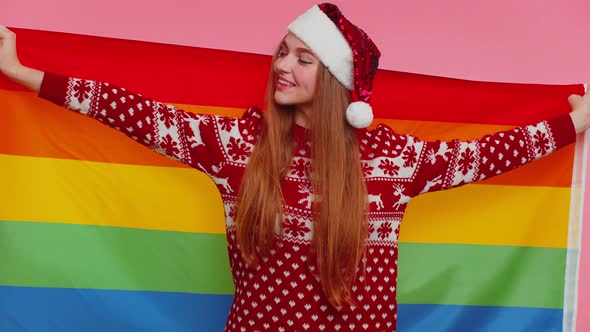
(313, 200)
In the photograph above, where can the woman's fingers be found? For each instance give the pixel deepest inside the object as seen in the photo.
(575, 101)
(8, 57)
(5, 33)
(5, 29)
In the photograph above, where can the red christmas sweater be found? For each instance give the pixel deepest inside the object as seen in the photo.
(283, 293)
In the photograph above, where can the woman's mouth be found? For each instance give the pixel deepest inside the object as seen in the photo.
(284, 84)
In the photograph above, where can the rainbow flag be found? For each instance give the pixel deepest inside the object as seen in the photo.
(98, 233)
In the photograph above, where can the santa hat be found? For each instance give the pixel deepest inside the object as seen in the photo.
(348, 53)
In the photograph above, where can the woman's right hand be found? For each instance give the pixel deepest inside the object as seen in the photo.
(9, 62)
(11, 66)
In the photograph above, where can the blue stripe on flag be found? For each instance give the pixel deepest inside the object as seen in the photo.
(73, 310)
(90, 310)
(451, 318)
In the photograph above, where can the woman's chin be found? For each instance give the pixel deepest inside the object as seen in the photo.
(283, 102)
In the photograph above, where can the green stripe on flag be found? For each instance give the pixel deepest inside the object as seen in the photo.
(481, 275)
(98, 257)
(81, 256)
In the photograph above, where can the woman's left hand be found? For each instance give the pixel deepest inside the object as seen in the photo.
(580, 111)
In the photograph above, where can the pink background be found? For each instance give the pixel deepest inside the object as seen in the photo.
(536, 41)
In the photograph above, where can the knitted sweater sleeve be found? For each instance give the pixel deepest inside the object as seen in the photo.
(442, 165)
(193, 139)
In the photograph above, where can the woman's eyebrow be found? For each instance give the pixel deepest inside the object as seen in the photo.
(299, 49)
(306, 50)
(303, 49)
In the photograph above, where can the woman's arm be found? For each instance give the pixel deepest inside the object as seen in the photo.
(454, 163)
(194, 139)
(438, 165)
(29, 77)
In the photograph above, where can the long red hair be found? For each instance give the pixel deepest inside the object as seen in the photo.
(340, 209)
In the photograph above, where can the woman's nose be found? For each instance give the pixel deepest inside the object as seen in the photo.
(284, 64)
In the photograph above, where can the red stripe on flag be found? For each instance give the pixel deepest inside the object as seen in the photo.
(198, 76)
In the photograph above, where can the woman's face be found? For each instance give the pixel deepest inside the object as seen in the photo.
(295, 73)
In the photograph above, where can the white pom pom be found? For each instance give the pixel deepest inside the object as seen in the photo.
(359, 114)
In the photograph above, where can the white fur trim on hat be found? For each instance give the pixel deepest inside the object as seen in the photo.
(359, 114)
(324, 38)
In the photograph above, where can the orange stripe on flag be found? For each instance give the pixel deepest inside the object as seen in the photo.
(46, 130)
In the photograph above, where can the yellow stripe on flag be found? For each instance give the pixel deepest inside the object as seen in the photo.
(490, 215)
(83, 192)
(179, 199)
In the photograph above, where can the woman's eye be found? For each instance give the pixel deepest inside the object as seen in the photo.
(307, 62)
(282, 53)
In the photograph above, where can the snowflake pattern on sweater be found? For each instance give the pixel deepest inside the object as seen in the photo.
(283, 292)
